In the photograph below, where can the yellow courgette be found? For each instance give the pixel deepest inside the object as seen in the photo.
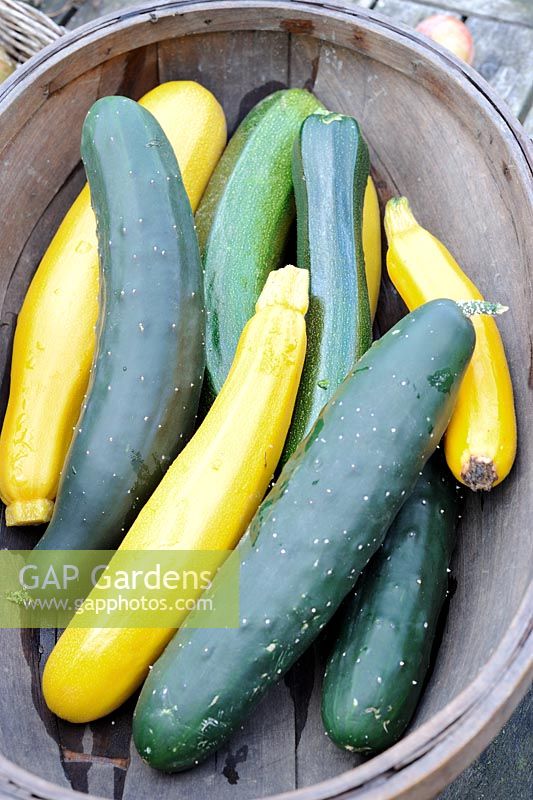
(54, 339)
(204, 502)
(480, 443)
(372, 244)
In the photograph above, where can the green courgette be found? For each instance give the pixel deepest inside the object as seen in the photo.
(313, 534)
(330, 173)
(144, 389)
(244, 218)
(378, 665)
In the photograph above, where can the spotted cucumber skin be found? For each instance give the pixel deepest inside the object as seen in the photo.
(244, 218)
(376, 671)
(313, 534)
(330, 172)
(147, 374)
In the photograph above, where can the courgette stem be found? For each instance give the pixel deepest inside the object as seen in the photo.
(472, 308)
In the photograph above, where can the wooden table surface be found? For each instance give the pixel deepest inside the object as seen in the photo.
(503, 38)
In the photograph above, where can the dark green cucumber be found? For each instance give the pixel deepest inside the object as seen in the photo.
(378, 664)
(244, 219)
(147, 374)
(313, 534)
(330, 172)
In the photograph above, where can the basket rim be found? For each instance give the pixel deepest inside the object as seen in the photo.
(429, 757)
(158, 9)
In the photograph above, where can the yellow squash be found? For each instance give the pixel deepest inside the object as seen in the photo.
(54, 339)
(372, 244)
(204, 502)
(480, 443)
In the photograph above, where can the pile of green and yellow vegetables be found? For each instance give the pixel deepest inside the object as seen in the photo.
(102, 439)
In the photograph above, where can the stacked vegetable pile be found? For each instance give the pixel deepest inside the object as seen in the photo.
(112, 454)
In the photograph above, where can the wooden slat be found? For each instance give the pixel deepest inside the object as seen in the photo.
(91, 9)
(528, 122)
(62, 108)
(303, 61)
(239, 68)
(27, 727)
(520, 11)
(258, 760)
(407, 12)
(317, 758)
(504, 56)
(517, 11)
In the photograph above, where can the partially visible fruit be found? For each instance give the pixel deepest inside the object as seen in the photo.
(451, 33)
(480, 442)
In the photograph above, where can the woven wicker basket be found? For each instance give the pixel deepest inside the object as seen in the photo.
(24, 30)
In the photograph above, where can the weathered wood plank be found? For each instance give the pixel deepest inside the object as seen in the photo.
(504, 56)
(407, 12)
(28, 730)
(303, 61)
(257, 761)
(528, 122)
(317, 758)
(239, 68)
(21, 208)
(517, 11)
(508, 10)
(91, 9)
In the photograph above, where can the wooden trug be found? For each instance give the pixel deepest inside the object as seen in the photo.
(439, 134)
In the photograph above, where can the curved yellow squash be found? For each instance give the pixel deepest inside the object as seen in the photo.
(372, 244)
(222, 474)
(54, 339)
(480, 443)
